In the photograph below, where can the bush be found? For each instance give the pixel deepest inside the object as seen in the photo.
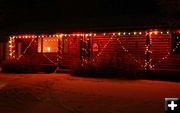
(123, 67)
(49, 68)
(19, 66)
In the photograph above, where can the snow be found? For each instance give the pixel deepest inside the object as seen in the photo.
(62, 93)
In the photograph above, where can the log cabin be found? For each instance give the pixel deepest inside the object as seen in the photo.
(152, 49)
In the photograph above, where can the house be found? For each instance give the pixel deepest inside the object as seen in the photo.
(150, 48)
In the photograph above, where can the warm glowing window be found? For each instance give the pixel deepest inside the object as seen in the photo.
(47, 45)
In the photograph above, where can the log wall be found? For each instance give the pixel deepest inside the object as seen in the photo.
(111, 48)
(119, 46)
(162, 52)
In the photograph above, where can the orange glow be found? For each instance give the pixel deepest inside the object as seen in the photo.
(48, 49)
(61, 35)
(155, 32)
(50, 44)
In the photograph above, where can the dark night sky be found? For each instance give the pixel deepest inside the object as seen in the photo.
(24, 12)
(76, 8)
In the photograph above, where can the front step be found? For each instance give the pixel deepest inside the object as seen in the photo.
(63, 70)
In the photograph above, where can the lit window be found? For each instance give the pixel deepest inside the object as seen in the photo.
(47, 45)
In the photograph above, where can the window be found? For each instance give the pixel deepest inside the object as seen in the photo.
(47, 45)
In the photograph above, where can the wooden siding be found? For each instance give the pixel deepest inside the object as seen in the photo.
(134, 44)
(1, 52)
(4, 51)
(70, 58)
(161, 45)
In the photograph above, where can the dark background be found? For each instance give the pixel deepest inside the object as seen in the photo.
(78, 15)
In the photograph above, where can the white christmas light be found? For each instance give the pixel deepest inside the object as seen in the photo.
(155, 32)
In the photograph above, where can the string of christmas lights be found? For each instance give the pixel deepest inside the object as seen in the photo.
(49, 59)
(85, 49)
(24, 52)
(84, 34)
(168, 55)
(59, 52)
(73, 34)
(12, 47)
(148, 51)
(127, 51)
(100, 53)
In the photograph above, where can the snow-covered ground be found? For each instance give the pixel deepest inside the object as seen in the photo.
(62, 93)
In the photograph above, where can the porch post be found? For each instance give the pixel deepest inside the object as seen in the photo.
(82, 50)
(147, 52)
(11, 47)
(85, 49)
(42, 45)
(59, 52)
